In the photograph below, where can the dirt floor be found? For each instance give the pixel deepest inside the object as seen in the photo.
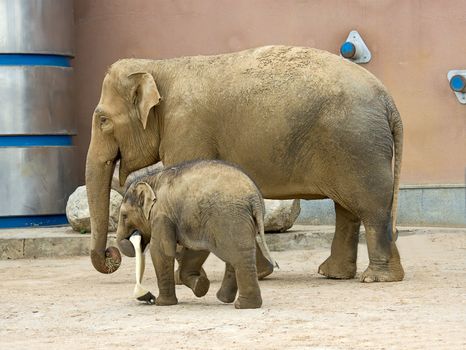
(65, 304)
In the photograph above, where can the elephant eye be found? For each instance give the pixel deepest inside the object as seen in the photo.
(106, 124)
(103, 120)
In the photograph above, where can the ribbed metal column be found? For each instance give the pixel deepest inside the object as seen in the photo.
(36, 112)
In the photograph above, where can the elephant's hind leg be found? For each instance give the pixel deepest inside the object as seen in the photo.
(384, 259)
(264, 267)
(180, 252)
(191, 271)
(341, 264)
(229, 288)
(248, 287)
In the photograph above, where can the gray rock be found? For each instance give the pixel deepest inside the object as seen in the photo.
(77, 210)
(280, 215)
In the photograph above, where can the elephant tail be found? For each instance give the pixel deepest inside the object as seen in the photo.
(396, 127)
(258, 214)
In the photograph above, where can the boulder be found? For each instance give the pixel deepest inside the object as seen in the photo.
(77, 210)
(280, 215)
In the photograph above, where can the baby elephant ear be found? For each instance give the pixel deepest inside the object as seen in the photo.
(145, 95)
(146, 198)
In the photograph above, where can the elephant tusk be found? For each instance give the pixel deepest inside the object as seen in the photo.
(140, 293)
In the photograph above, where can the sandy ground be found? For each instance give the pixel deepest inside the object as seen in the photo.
(65, 304)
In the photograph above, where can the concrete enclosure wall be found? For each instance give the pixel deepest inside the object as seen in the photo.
(413, 43)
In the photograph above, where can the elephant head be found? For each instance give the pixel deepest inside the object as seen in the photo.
(135, 214)
(124, 127)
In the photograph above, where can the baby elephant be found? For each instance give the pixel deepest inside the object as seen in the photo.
(205, 206)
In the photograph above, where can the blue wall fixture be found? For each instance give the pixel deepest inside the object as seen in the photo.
(35, 140)
(31, 221)
(355, 49)
(457, 81)
(34, 60)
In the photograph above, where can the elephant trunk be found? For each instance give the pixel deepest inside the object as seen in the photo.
(98, 179)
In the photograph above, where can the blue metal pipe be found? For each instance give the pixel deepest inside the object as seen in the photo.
(34, 60)
(35, 140)
(25, 221)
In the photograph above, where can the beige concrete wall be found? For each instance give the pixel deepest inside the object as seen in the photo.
(413, 42)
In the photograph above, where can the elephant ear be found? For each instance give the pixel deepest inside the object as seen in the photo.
(145, 198)
(145, 95)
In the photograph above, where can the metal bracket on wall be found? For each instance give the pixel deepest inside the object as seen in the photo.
(457, 80)
(355, 49)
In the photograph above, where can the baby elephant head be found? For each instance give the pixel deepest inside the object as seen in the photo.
(135, 214)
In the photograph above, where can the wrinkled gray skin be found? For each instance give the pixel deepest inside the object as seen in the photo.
(205, 206)
(134, 176)
(302, 123)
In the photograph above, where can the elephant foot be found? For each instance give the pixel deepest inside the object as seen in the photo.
(201, 286)
(166, 300)
(248, 303)
(263, 265)
(337, 268)
(148, 298)
(392, 272)
(178, 280)
(264, 270)
(227, 295)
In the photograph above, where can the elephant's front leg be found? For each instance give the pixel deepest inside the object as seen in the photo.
(162, 250)
(164, 269)
(341, 263)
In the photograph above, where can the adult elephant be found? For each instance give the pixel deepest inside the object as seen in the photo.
(303, 123)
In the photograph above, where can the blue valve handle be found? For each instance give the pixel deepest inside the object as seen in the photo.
(458, 83)
(348, 50)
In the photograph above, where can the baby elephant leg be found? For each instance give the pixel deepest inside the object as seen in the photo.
(190, 271)
(164, 269)
(229, 288)
(162, 251)
(180, 252)
(264, 266)
(248, 286)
